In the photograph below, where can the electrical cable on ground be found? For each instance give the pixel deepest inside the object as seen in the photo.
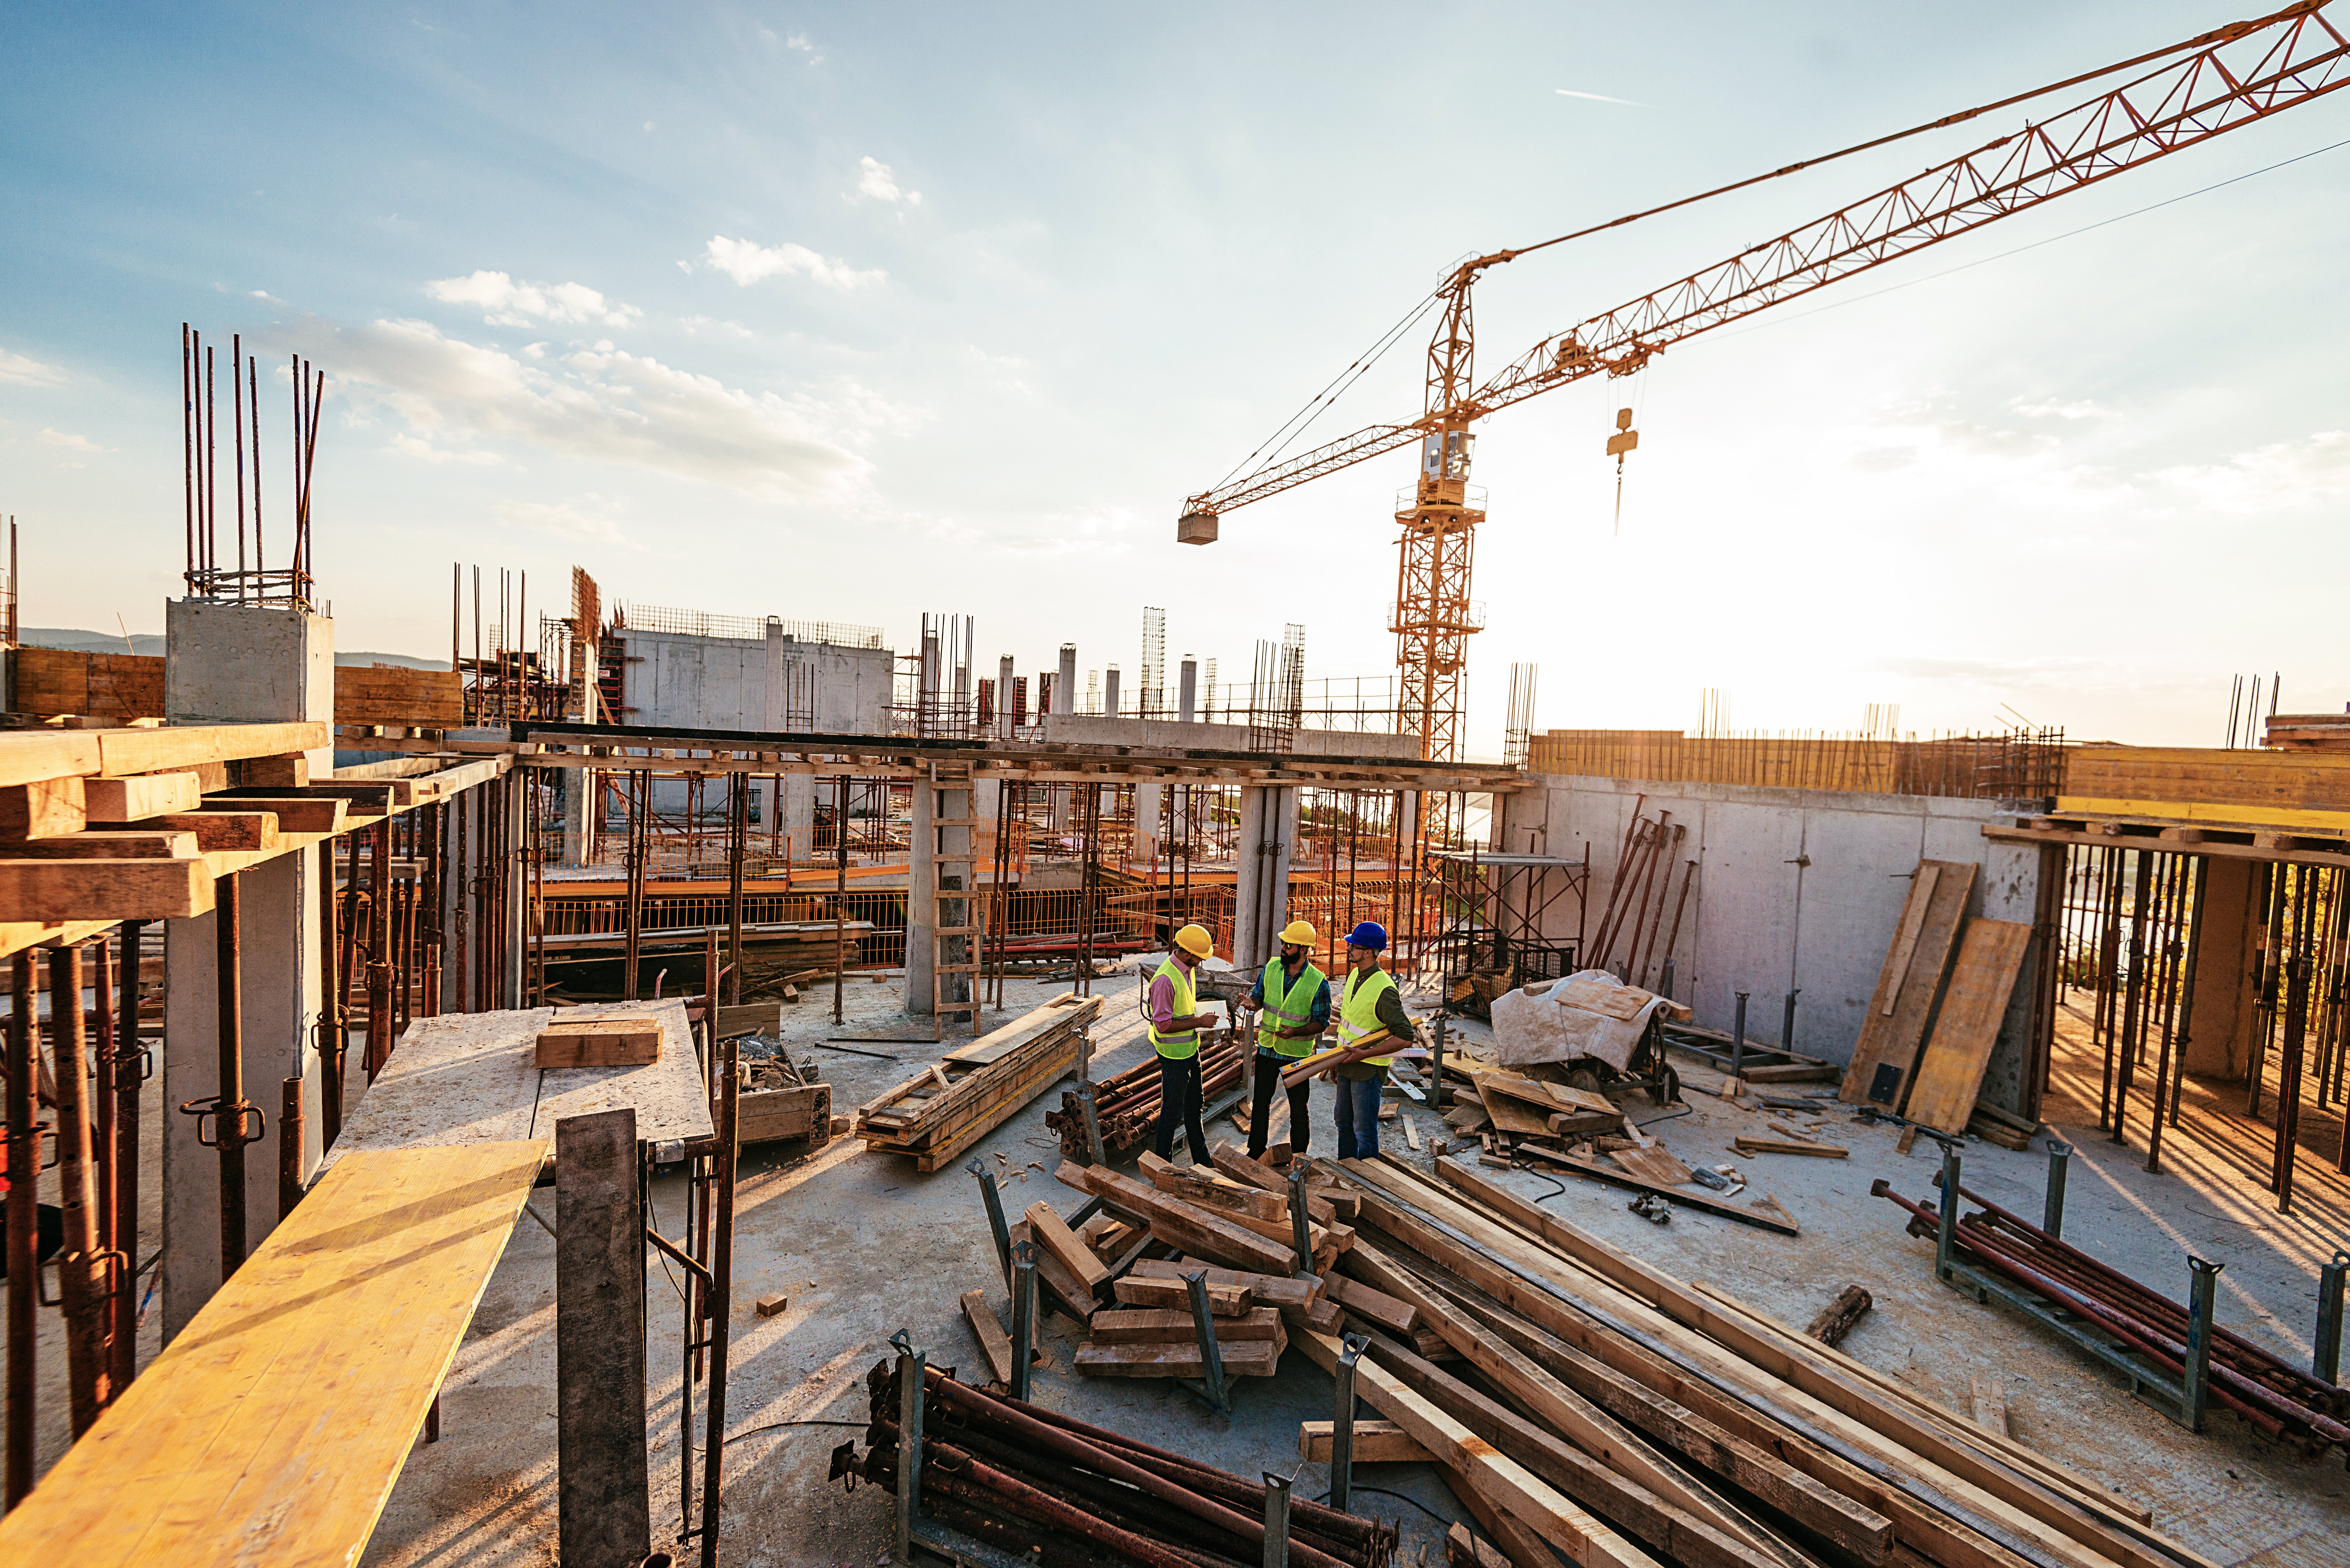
(1400, 1497)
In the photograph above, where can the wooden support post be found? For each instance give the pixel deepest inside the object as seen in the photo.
(130, 1077)
(23, 1229)
(604, 1516)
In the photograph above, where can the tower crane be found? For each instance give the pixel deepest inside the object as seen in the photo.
(2195, 90)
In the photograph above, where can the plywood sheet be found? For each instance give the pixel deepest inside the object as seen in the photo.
(272, 1430)
(460, 1078)
(1510, 1114)
(1916, 960)
(668, 1096)
(1951, 1073)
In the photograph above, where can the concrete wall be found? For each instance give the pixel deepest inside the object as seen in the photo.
(735, 683)
(1095, 729)
(1793, 889)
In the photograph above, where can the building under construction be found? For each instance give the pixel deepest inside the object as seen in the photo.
(676, 1084)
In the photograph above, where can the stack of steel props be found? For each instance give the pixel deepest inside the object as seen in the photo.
(1065, 1494)
(1126, 1103)
(2285, 1404)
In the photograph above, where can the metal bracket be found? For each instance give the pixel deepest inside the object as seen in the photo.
(995, 1222)
(1023, 1316)
(1276, 1521)
(908, 1516)
(1342, 1428)
(2052, 1208)
(1211, 1389)
(215, 1107)
(2326, 1361)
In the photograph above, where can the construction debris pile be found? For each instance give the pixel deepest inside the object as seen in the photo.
(954, 1103)
(1068, 1495)
(1630, 1414)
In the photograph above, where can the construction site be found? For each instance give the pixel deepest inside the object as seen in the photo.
(636, 1085)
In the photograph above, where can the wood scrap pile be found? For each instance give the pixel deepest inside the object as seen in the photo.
(783, 1099)
(1042, 1488)
(954, 1103)
(1127, 1102)
(1626, 1419)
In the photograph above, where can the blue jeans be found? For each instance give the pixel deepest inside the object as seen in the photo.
(1359, 1118)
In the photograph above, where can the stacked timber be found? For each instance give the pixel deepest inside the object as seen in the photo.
(1126, 1103)
(954, 1103)
(1042, 1488)
(1632, 1418)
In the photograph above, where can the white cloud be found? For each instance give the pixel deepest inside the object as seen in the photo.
(1598, 98)
(875, 182)
(70, 441)
(409, 446)
(602, 405)
(2310, 473)
(20, 371)
(2049, 408)
(584, 519)
(799, 42)
(505, 303)
(747, 261)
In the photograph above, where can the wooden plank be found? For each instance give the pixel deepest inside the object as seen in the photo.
(273, 1426)
(1372, 1443)
(1233, 1162)
(1951, 1073)
(1904, 942)
(28, 756)
(103, 844)
(1990, 1404)
(1894, 1027)
(1266, 1289)
(1507, 1484)
(61, 890)
(988, 1329)
(123, 752)
(1161, 1325)
(669, 1095)
(1196, 1186)
(1051, 1232)
(1174, 1296)
(1244, 1359)
(1654, 1165)
(295, 814)
(624, 1042)
(1398, 1317)
(224, 832)
(1510, 1113)
(1747, 1144)
(47, 808)
(1180, 1224)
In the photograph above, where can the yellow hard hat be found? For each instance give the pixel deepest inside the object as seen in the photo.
(1300, 933)
(1195, 940)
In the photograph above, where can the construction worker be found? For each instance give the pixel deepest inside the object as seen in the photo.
(1292, 999)
(1371, 1004)
(1175, 1026)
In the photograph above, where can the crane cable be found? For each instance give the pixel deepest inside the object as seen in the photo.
(1355, 371)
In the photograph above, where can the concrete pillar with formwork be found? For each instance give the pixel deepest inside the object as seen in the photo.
(1109, 692)
(2227, 958)
(578, 787)
(1187, 693)
(226, 662)
(1268, 830)
(939, 915)
(1150, 797)
(1003, 685)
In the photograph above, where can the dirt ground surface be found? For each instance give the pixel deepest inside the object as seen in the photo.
(863, 1246)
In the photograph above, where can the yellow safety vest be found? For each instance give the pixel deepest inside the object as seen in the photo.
(1178, 1047)
(1360, 1015)
(1292, 1009)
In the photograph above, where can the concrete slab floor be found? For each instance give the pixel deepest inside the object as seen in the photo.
(862, 1246)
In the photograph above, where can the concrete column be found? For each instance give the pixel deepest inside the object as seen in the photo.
(926, 881)
(1064, 682)
(2220, 1032)
(798, 808)
(1005, 679)
(225, 662)
(579, 786)
(1268, 829)
(1109, 692)
(1187, 693)
(1148, 796)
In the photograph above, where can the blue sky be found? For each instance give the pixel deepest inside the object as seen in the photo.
(851, 313)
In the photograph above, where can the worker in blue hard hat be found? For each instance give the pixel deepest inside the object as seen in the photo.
(1175, 1026)
(1292, 1000)
(1370, 1003)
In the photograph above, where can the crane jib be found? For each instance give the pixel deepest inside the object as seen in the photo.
(2247, 72)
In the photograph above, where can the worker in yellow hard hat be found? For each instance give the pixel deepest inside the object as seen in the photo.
(1175, 1026)
(1291, 1000)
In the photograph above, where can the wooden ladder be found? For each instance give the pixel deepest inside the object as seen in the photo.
(957, 911)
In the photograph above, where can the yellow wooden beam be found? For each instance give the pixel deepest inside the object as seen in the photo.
(2200, 811)
(272, 1430)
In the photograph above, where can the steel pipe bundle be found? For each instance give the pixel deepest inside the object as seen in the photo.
(1072, 1495)
(2284, 1403)
(1128, 1102)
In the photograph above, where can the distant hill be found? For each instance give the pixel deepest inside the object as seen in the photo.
(81, 641)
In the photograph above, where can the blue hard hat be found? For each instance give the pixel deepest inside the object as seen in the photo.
(1370, 934)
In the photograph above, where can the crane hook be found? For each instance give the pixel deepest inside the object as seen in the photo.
(1626, 439)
